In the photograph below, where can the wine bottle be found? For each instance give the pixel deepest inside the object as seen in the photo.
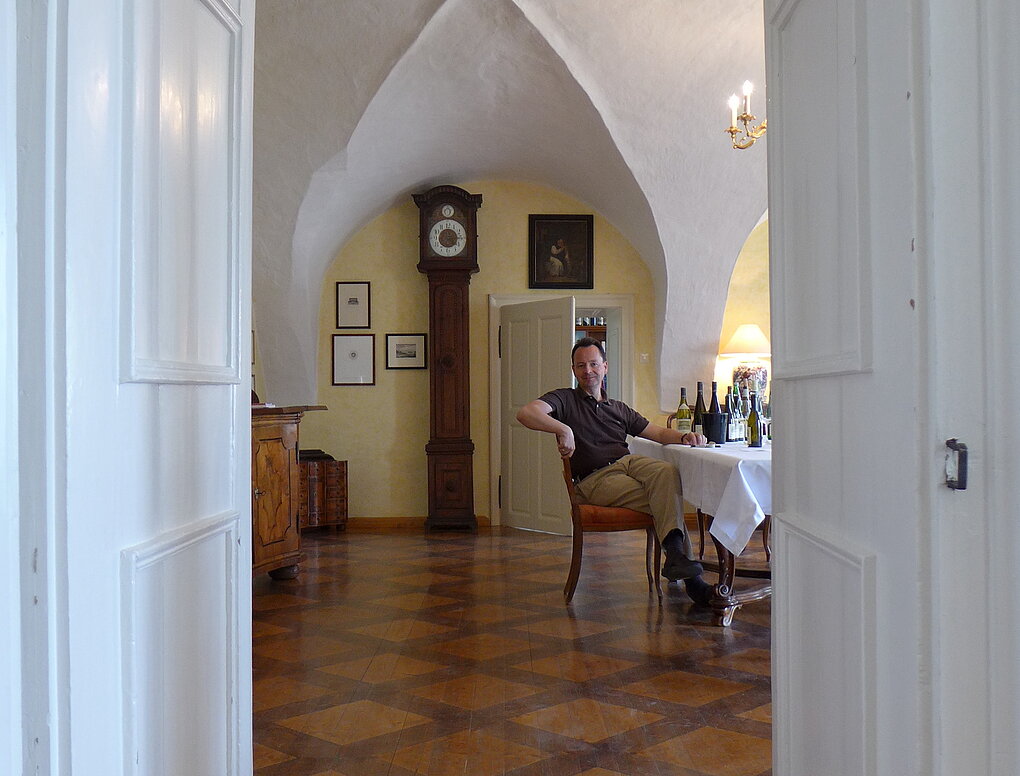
(699, 409)
(684, 415)
(753, 422)
(736, 415)
(713, 404)
(728, 409)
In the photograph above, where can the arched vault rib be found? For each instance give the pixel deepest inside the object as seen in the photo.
(617, 105)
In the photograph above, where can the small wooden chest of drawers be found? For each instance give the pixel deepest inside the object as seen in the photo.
(323, 490)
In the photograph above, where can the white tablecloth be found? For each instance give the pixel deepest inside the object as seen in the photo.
(733, 483)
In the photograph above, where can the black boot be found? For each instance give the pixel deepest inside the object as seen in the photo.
(678, 565)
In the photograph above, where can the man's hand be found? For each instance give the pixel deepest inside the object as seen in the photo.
(693, 439)
(565, 442)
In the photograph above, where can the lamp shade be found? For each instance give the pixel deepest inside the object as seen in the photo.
(748, 341)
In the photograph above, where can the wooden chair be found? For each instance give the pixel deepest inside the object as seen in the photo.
(588, 517)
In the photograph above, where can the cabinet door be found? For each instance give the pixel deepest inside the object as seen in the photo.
(275, 485)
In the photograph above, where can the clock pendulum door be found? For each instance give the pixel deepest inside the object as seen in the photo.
(448, 256)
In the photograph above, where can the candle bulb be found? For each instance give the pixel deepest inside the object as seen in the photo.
(748, 88)
(733, 102)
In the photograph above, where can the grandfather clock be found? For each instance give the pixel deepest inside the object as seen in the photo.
(448, 255)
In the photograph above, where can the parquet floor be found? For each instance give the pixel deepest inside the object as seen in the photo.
(453, 653)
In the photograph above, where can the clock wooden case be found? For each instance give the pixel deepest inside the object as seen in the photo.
(448, 241)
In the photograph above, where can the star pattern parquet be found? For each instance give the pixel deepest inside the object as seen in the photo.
(451, 653)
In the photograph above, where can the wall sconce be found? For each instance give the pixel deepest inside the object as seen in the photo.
(745, 117)
(750, 347)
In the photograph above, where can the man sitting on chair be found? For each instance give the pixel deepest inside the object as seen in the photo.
(591, 429)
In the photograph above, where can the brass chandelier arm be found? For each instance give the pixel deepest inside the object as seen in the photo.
(749, 135)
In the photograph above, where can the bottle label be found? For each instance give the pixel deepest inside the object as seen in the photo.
(699, 429)
(683, 425)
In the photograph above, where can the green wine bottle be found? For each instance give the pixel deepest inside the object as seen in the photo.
(753, 421)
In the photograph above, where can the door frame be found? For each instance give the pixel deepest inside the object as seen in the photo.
(34, 717)
(10, 531)
(625, 303)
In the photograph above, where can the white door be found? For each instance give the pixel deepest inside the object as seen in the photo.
(894, 328)
(847, 606)
(135, 411)
(535, 343)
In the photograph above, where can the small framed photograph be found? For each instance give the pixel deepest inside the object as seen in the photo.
(353, 359)
(354, 305)
(406, 351)
(561, 251)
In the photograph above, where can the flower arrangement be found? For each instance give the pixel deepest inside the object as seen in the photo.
(755, 375)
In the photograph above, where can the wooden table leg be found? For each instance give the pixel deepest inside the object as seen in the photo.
(724, 604)
(725, 601)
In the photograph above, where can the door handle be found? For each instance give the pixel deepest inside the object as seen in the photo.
(956, 464)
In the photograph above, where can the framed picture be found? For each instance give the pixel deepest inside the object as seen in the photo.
(353, 359)
(353, 305)
(406, 351)
(560, 251)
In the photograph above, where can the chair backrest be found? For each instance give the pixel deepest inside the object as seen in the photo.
(575, 507)
(568, 478)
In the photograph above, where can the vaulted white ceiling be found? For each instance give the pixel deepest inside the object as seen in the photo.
(619, 103)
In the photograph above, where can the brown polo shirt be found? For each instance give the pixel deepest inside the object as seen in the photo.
(600, 427)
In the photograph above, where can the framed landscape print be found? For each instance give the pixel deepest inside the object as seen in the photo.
(353, 359)
(406, 351)
(353, 305)
(560, 251)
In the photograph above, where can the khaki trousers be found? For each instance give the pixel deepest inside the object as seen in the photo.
(641, 483)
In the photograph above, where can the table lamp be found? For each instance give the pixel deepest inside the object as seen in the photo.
(750, 347)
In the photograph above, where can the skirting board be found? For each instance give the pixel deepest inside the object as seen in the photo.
(399, 523)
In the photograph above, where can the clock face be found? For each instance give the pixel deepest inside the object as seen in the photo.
(447, 237)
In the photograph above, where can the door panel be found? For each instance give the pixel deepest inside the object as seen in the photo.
(536, 340)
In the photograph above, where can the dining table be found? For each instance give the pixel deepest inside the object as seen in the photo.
(730, 486)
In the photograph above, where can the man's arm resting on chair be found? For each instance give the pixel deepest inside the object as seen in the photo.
(537, 416)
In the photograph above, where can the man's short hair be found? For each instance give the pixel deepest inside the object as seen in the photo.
(587, 342)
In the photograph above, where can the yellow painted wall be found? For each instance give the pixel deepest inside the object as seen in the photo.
(381, 430)
(748, 298)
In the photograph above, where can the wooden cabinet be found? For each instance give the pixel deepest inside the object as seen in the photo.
(276, 538)
(323, 481)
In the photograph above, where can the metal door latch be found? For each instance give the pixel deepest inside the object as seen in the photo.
(956, 464)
